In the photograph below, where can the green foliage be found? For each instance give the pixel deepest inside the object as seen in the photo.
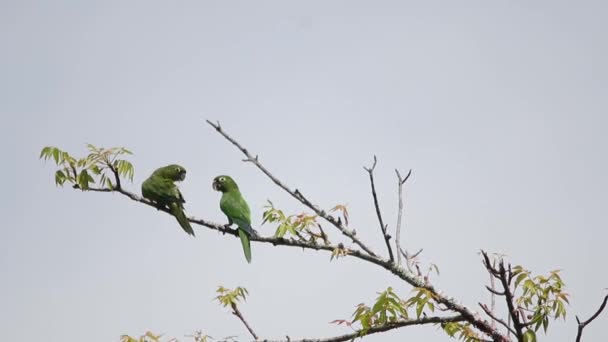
(530, 336)
(301, 226)
(147, 337)
(422, 300)
(92, 169)
(338, 252)
(228, 297)
(462, 331)
(196, 337)
(542, 296)
(199, 337)
(388, 308)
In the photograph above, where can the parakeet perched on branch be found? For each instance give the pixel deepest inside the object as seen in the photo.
(161, 189)
(233, 205)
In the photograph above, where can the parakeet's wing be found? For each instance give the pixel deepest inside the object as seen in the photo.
(237, 211)
(235, 207)
(161, 190)
(165, 192)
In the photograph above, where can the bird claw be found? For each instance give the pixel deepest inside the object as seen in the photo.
(226, 227)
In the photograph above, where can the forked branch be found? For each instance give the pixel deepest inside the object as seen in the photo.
(383, 227)
(401, 181)
(582, 325)
(363, 252)
(412, 279)
(294, 193)
(500, 273)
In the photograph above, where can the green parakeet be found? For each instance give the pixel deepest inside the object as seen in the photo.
(160, 188)
(233, 205)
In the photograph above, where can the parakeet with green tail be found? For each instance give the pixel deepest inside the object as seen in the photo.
(160, 188)
(235, 207)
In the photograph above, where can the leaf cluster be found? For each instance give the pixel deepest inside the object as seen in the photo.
(147, 337)
(388, 308)
(461, 330)
(338, 252)
(92, 169)
(227, 297)
(542, 297)
(196, 337)
(422, 300)
(302, 226)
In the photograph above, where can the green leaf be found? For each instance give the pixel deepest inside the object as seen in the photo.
(420, 306)
(60, 178)
(84, 179)
(45, 152)
(519, 278)
(529, 336)
(56, 155)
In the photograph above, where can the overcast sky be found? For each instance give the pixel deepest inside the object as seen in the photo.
(499, 107)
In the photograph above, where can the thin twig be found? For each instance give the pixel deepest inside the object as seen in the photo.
(493, 294)
(385, 235)
(500, 273)
(294, 193)
(494, 318)
(237, 313)
(370, 256)
(401, 181)
(363, 254)
(407, 276)
(386, 327)
(582, 325)
(117, 186)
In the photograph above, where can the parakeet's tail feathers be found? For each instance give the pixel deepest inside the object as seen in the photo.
(247, 228)
(179, 214)
(246, 244)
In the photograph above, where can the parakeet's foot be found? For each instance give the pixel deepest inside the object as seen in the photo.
(227, 227)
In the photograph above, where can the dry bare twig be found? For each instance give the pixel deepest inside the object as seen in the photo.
(582, 325)
(383, 227)
(401, 181)
(294, 193)
(364, 253)
(237, 313)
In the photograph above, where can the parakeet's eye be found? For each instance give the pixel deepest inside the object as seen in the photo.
(177, 169)
(222, 179)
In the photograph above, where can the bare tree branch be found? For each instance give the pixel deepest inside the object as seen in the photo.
(490, 313)
(387, 327)
(582, 325)
(494, 292)
(237, 313)
(407, 276)
(398, 227)
(500, 273)
(365, 253)
(294, 193)
(383, 227)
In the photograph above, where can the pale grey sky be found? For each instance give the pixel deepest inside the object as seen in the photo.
(498, 106)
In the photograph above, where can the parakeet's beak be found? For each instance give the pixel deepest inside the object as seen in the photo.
(216, 185)
(182, 175)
